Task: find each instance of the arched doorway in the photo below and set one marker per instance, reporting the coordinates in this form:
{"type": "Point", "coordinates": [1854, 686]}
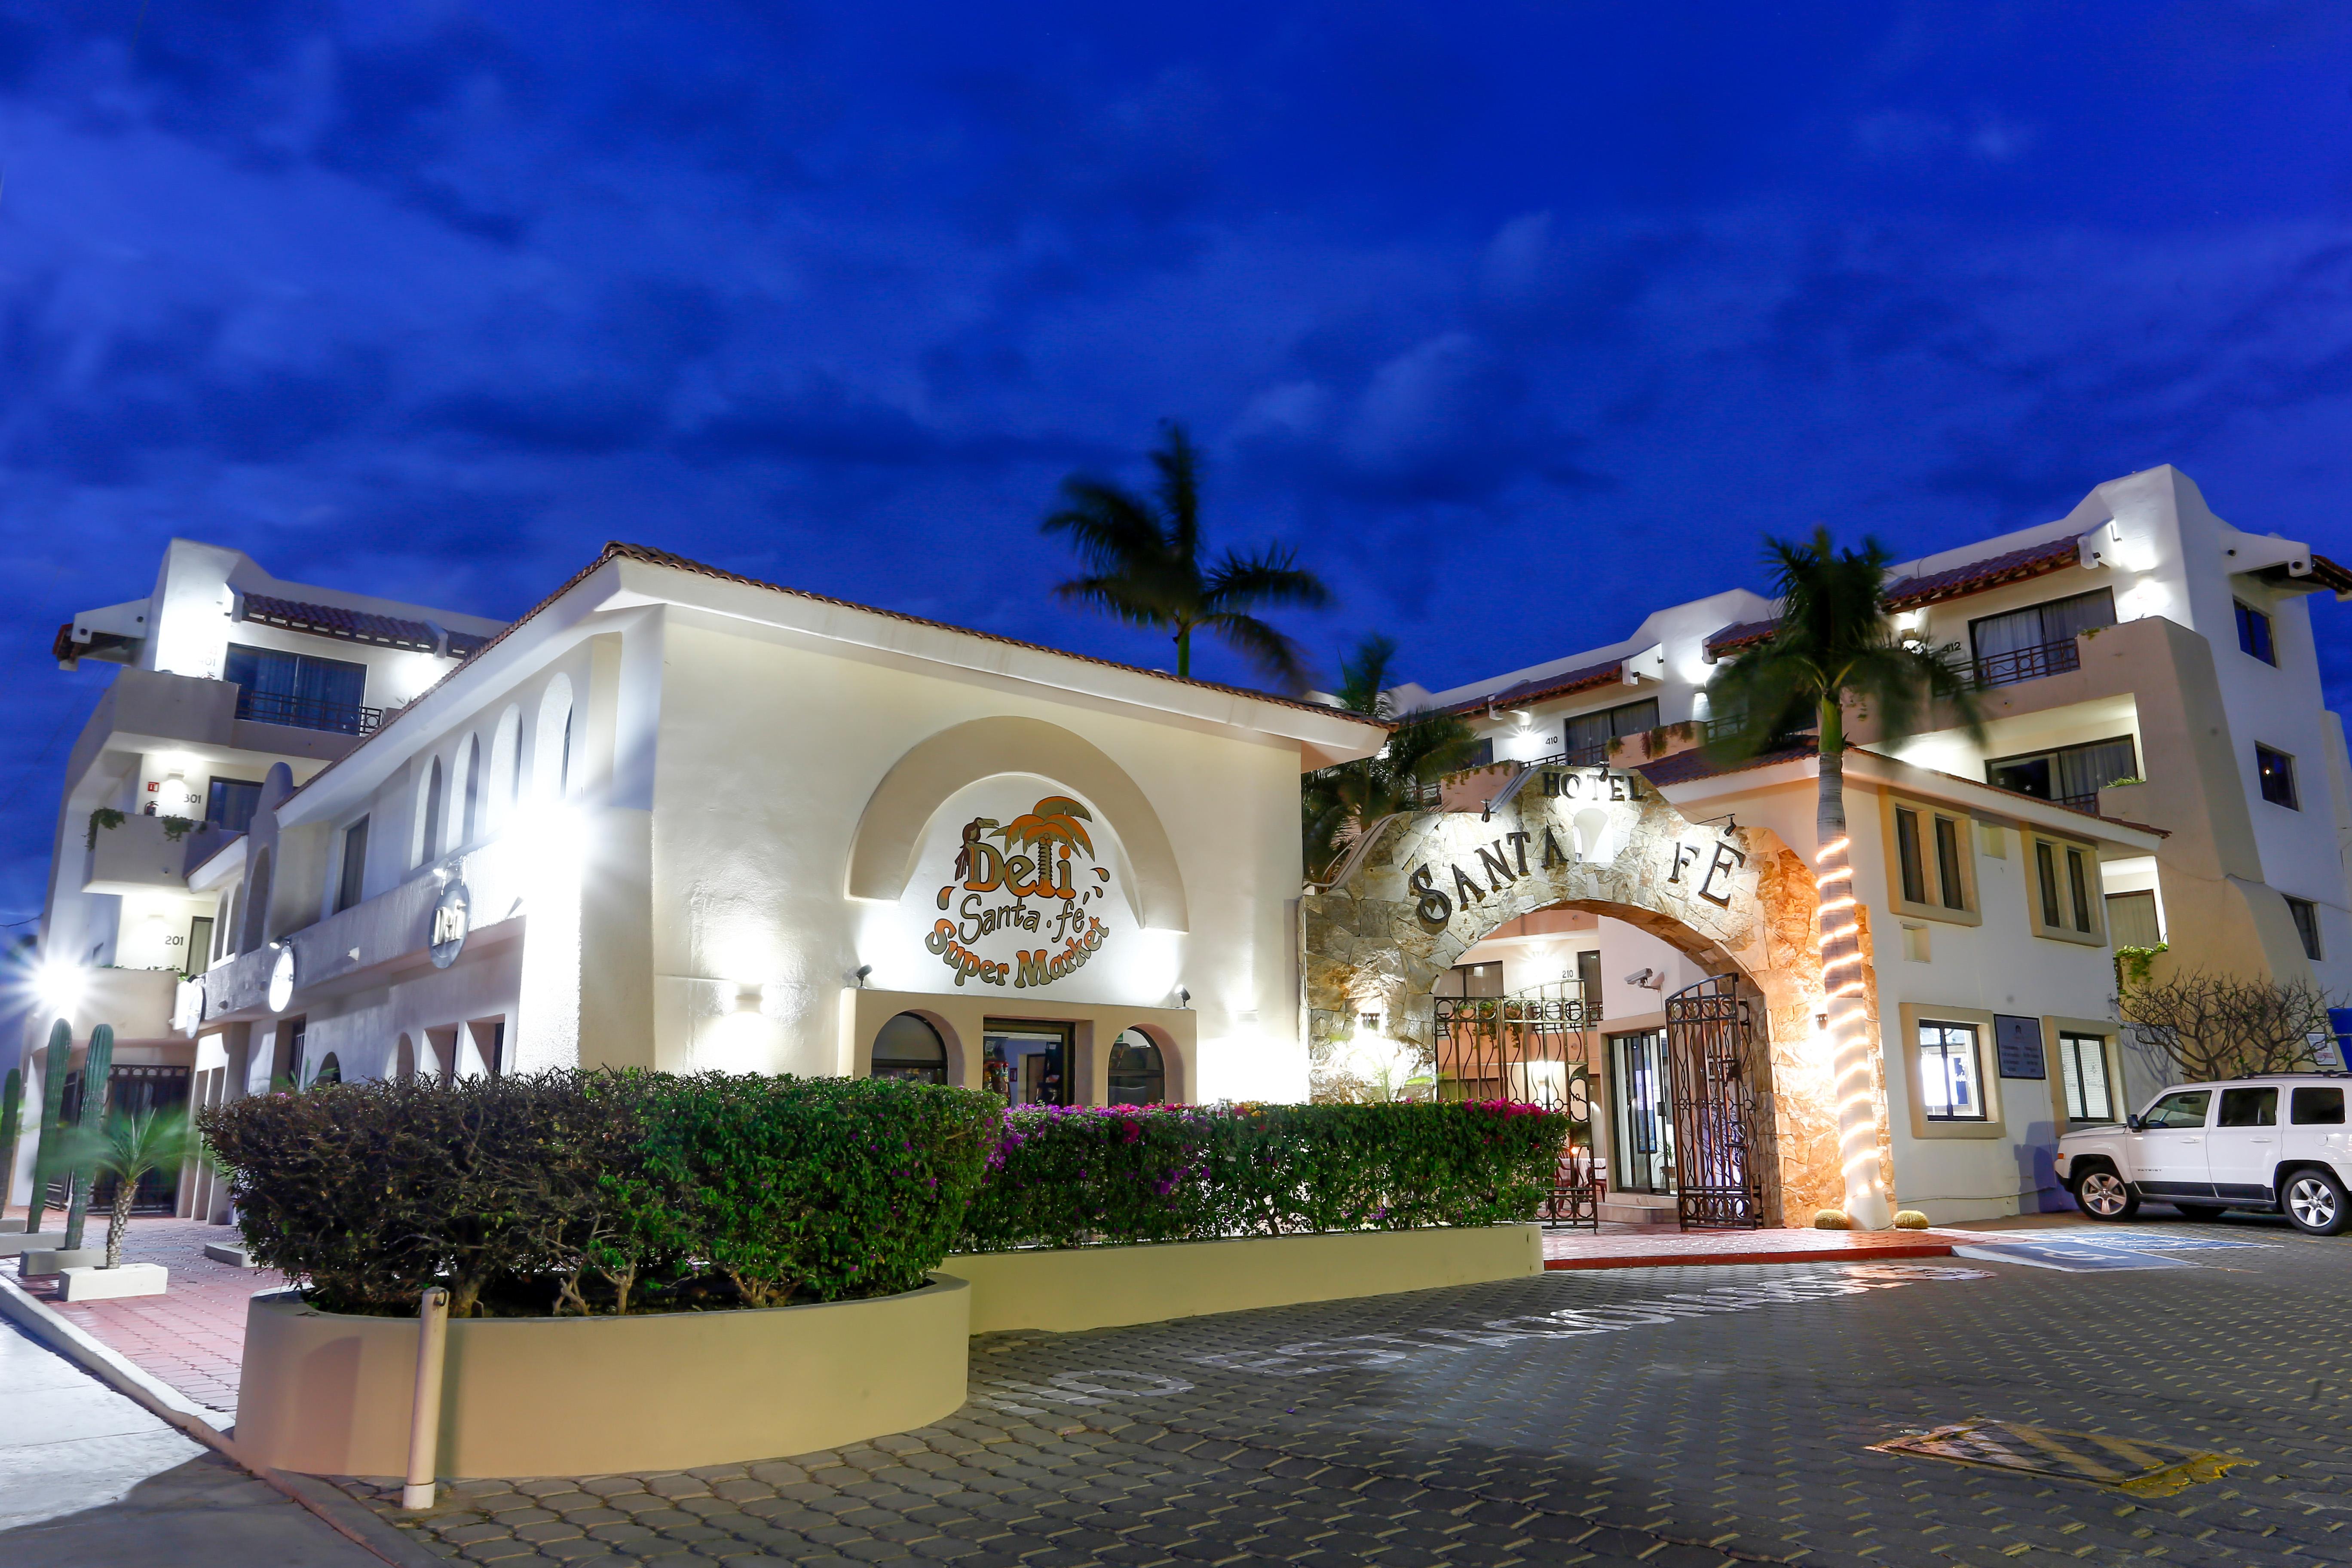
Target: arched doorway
{"type": "Point", "coordinates": [1735, 903]}
{"type": "Point", "coordinates": [329, 1070]}
{"type": "Point", "coordinates": [910, 1049]}
{"type": "Point", "coordinates": [1138, 1070]}
{"type": "Point", "coordinates": [404, 1060]}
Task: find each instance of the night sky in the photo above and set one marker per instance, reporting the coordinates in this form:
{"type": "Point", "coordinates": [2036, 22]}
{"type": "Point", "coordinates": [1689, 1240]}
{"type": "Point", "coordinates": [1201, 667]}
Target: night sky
{"type": "Point", "coordinates": [1516, 320]}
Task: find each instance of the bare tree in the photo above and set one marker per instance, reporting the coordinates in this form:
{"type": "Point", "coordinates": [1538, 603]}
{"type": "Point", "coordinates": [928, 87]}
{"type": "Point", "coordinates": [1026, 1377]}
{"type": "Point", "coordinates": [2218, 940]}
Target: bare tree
{"type": "Point", "coordinates": [2201, 1026]}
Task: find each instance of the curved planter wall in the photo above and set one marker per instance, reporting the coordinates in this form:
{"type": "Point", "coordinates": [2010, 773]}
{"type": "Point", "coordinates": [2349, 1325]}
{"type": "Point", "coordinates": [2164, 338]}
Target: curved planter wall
{"type": "Point", "coordinates": [325, 1394]}
{"type": "Point", "coordinates": [1070, 1289]}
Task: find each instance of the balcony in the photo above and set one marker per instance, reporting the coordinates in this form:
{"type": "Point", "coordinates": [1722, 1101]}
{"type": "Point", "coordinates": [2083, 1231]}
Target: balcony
{"type": "Point", "coordinates": [136, 856]}
{"type": "Point", "coordinates": [306, 713]}
{"type": "Point", "coordinates": [2026, 664]}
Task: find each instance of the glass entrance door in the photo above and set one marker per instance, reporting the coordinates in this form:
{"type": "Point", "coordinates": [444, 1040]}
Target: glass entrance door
{"type": "Point", "coordinates": [1027, 1062]}
{"type": "Point", "coordinates": [1644, 1122]}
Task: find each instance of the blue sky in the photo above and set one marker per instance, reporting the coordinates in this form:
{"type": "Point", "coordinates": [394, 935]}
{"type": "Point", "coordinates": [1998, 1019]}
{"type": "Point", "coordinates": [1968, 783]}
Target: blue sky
{"type": "Point", "coordinates": [1514, 319]}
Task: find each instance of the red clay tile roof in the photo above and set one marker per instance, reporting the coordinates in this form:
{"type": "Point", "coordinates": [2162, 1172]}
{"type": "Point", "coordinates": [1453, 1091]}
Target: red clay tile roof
{"type": "Point", "coordinates": [1975, 577]}
{"type": "Point", "coordinates": [1738, 636]}
{"type": "Point", "coordinates": [1684, 767]}
{"type": "Point", "coordinates": [465, 645]}
{"type": "Point", "coordinates": [1543, 689]}
{"type": "Point", "coordinates": [2324, 573]}
{"type": "Point", "coordinates": [333, 621]}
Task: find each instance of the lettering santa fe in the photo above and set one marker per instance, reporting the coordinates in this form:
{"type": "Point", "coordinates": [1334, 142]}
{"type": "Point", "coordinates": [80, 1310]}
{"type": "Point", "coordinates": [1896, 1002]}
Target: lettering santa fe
{"type": "Point", "coordinates": [1050, 832]}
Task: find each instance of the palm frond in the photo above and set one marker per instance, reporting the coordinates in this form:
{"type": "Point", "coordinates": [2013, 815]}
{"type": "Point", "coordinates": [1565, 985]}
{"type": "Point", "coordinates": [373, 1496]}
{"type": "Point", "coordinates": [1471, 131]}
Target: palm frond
{"type": "Point", "coordinates": [1132, 601]}
{"type": "Point", "coordinates": [1179, 463]}
{"type": "Point", "coordinates": [1277, 655]}
{"type": "Point", "coordinates": [1364, 676]}
{"type": "Point", "coordinates": [1273, 576]}
{"type": "Point", "coordinates": [1111, 528]}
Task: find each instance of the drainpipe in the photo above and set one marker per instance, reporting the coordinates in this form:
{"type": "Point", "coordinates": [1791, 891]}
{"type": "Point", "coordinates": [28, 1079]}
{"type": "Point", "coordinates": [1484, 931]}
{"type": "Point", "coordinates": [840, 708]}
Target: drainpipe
{"type": "Point", "coordinates": [424, 1423]}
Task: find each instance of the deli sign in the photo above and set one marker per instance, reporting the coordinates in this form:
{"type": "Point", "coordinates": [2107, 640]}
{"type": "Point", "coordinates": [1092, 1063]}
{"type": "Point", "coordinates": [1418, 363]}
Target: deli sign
{"type": "Point", "coordinates": [1026, 910]}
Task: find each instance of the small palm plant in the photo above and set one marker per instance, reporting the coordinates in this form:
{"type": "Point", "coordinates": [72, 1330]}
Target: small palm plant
{"type": "Point", "coordinates": [127, 1147]}
{"type": "Point", "coordinates": [1147, 563]}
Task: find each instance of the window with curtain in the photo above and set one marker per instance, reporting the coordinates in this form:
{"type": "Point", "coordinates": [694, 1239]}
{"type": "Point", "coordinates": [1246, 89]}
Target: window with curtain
{"type": "Point", "coordinates": [1950, 1080]}
{"type": "Point", "coordinates": [2083, 1068]}
{"type": "Point", "coordinates": [2071, 775]}
{"type": "Point", "coordinates": [2040, 625]}
{"type": "Point", "coordinates": [1587, 736]}
{"type": "Point", "coordinates": [2131, 919]}
{"type": "Point", "coordinates": [297, 688]}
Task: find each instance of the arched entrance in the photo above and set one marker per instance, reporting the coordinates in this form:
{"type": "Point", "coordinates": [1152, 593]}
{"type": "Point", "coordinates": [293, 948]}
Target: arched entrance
{"type": "Point", "coordinates": [1425, 889]}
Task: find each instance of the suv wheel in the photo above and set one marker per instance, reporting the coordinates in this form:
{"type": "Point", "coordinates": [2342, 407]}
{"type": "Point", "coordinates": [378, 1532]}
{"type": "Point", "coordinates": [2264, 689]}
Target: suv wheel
{"type": "Point", "coordinates": [2315, 1201]}
{"type": "Point", "coordinates": [2103, 1195]}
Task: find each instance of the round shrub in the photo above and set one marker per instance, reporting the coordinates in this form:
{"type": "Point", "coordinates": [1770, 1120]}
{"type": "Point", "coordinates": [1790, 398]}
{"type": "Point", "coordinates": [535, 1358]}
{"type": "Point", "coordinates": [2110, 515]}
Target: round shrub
{"type": "Point", "coordinates": [1832, 1219]}
{"type": "Point", "coordinates": [1910, 1219]}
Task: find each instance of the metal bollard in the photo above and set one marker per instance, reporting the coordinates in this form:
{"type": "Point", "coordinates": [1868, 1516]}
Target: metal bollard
{"type": "Point", "coordinates": [424, 1422]}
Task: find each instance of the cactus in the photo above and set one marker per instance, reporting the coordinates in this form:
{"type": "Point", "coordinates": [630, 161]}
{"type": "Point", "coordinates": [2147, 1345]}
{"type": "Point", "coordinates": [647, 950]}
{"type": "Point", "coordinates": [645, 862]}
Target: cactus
{"type": "Point", "coordinates": [97, 1075]}
{"type": "Point", "coordinates": [12, 1113]}
{"type": "Point", "coordinates": [53, 1103]}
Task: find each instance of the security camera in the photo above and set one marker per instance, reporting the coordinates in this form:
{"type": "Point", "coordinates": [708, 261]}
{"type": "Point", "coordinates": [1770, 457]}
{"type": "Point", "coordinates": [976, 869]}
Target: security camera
{"type": "Point", "coordinates": [1649, 977]}
{"type": "Point", "coordinates": [862, 970]}
{"type": "Point", "coordinates": [1184, 998]}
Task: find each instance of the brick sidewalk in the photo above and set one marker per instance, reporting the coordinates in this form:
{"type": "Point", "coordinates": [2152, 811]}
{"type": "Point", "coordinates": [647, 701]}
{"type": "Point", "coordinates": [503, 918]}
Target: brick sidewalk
{"type": "Point", "coordinates": [193, 1336]}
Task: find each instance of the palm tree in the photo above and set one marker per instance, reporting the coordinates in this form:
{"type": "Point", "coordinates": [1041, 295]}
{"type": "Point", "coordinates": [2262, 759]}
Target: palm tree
{"type": "Point", "coordinates": [126, 1148]}
{"type": "Point", "coordinates": [1145, 564]}
{"type": "Point", "coordinates": [1340, 803]}
{"type": "Point", "coordinates": [1836, 646]}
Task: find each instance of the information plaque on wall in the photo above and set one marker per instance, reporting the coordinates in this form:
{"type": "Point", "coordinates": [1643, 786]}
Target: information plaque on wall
{"type": "Point", "coordinates": [2017, 1042]}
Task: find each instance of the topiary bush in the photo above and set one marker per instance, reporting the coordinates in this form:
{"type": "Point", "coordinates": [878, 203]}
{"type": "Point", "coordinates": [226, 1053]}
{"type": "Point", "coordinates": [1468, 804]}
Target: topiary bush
{"type": "Point", "coordinates": [1068, 1177]}
{"type": "Point", "coordinates": [572, 1192]}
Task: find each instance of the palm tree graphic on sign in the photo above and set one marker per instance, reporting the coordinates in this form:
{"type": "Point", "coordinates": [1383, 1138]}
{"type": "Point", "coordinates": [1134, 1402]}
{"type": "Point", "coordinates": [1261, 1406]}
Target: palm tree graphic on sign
{"type": "Point", "coordinates": [1057, 819]}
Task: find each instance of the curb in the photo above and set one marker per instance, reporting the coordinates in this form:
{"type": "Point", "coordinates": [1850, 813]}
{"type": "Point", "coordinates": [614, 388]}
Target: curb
{"type": "Point", "coordinates": [1786, 1254]}
{"type": "Point", "coordinates": [344, 1513]}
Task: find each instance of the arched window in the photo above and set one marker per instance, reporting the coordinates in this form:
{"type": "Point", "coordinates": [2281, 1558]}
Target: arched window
{"type": "Point", "coordinates": [256, 905]}
{"type": "Point", "coordinates": [404, 1060]}
{"type": "Point", "coordinates": [505, 744]}
{"type": "Point", "coordinates": [1138, 1073]}
{"type": "Point", "coordinates": [329, 1070]}
{"type": "Point", "coordinates": [429, 842]}
{"type": "Point", "coordinates": [911, 1050]}
{"type": "Point", "coordinates": [551, 750]}
{"type": "Point", "coordinates": [469, 789]}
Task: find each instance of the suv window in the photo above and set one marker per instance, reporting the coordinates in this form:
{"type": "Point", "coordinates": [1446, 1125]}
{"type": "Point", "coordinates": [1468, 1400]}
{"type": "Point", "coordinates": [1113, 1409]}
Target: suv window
{"type": "Point", "coordinates": [2186, 1109]}
{"type": "Point", "coordinates": [2319, 1108]}
{"type": "Point", "coordinates": [2249, 1107]}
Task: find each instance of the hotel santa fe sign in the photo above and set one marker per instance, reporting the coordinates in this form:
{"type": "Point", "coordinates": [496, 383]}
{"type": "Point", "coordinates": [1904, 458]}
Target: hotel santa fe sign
{"type": "Point", "coordinates": [1026, 911]}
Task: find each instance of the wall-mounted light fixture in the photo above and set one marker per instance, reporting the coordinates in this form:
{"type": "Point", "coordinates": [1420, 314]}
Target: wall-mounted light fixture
{"type": "Point", "coordinates": [749, 998]}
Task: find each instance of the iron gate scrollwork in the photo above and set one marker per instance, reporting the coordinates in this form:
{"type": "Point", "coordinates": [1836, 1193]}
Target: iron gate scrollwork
{"type": "Point", "coordinates": [1533, 1047]}
{"type": "Point", "coordinates": [1708, 1037]}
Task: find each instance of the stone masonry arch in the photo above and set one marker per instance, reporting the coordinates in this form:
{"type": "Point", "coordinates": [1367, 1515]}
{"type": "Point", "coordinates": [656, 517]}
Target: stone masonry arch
{"type": "Point", "coordinates": [1736, 899]}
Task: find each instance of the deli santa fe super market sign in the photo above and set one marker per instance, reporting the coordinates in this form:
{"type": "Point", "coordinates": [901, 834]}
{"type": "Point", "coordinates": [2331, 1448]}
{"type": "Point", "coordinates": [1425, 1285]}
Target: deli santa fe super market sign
{"type": "Point", "coordinates": [1027, 909]}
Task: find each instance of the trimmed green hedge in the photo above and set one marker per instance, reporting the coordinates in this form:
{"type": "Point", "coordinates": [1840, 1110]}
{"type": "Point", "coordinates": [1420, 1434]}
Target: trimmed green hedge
{"type": "Point", "coordinates": [581, 1192]}
{"type": "Point", "coordinates": [1075, 1176]}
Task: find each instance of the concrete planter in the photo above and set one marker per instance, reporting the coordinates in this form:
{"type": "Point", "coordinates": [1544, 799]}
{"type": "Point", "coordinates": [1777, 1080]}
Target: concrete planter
{"type": "Point", "coordinates": [88, 1282]}
{"type": "Point", "coordinates": [13, 1242]}
{"type": "Point", "coordinates": [38, 1263]}
{"type": "Point", "coordinates": [1080, 1287]}
{"type": "Point", "coordinates": [326, 1394]}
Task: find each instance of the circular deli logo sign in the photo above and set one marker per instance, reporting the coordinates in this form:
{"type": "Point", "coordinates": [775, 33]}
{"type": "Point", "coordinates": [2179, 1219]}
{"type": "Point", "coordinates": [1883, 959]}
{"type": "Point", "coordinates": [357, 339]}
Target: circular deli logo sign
{"type": "Point", "coordinates": [281, 979]}
{"type": "Point", "coordinates": [1026, 910]}
{"type": "Point", "coordinates": [452, 919]}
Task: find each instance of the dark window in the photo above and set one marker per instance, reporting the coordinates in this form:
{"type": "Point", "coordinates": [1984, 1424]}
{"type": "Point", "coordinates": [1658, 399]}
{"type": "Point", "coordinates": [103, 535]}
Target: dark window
{"type": "Point", "coordinates": [1948, 863]}
{"type": "Point", "coordinates": [908, 1049]}
{"type": "Point", "coordinates": [329, 1070]}
{"type": "Point", "coordinates": [2306, 925]}
{"type": "Point", "coordinates": [1471, 980]}
{"type": "Point", "coordinates": [1950, 1080]}
{"type": "Point", "coordinates": [2045, 869]}
{"type": "Point", "coordinates": [2254, 634]}
{"type": "Point", "coordinates": [2277, 771]}
{"type": "Point", "coordinates": [2078, 889]}
{"type": "Point", "coordinates": [2247, 1108]}
{"type": "Point", "coordinates": [298, 690]}
{"type": "Point", "coordinates": [2131, 919]}
{"type": "Point", "coordinates": [200, 946]}
{"type": "Point", "coordinates": [1906, 851]}
{"type": "Point", "coordinates": [1588, 980]}
{"type": "Point", "coordinates": [230, 804]}
{"type": "Point", "coordinates": [2185, 1107]}
{"type": "Point", "coordinates": [354, 885]}
{"type": "Point", "coordinates": [472, 762]}
{"type": "Point", "coordinates": [1585, 738]}
{"type": "Point", "coordinates": [2318, 1107]}
{"type": "Point", "coordinates": [1138, 1075]}
{"type": "Point", "coordinates": [2022, 645]}
{"type": "Point", "coordinates": [2071, 775]}
{"type": "Point", "coordinates": [1480, 755]}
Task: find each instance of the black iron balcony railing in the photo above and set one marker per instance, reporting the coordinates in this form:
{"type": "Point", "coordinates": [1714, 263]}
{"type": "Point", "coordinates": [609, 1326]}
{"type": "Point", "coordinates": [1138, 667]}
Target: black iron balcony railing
{"type": "Point", "coordinates": [2027, 664]}
{"type": "Point", "coordinates": [307, 713]}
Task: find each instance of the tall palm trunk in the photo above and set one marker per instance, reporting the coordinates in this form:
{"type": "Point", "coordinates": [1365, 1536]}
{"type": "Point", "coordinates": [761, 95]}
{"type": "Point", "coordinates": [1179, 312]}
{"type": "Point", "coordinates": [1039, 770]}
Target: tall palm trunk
{"type": "Point", "coordinates": [119, 1222]}
{"type": "Point", "coordinates": [1842, 979]}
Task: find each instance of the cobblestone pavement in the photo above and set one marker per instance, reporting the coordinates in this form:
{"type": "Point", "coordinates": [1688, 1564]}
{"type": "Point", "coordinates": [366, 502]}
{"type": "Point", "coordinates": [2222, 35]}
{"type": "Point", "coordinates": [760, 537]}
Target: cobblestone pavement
{"type": "Point", "coordinates": [1678, 1418]}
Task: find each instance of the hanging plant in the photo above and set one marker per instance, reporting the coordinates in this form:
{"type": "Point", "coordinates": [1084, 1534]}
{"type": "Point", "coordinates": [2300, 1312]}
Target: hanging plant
{"type": "Point", "coordinates": [104, 816]}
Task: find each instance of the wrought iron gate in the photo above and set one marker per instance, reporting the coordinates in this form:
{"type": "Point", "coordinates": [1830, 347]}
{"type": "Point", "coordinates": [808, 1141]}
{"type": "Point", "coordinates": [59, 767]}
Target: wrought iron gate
{"type": "Point", "coordinates": [1708, 1037]}
{"type": "Point", "coordinates": [1533, 1046]}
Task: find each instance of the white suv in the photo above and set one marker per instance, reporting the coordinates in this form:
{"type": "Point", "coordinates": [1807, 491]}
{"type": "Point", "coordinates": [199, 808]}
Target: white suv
{"type": "Point", "coordinates": [2276, 1142]}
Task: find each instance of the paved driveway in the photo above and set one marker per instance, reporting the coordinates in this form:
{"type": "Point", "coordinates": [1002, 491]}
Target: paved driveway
{"type": "Point", "coordinates": [1667, 1415]}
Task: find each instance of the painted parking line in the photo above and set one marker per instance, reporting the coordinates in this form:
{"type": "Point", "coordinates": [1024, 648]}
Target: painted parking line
{"type": "Point", "coordinates": [2126, 1240]}
{"type": "Point", "coordinates": [2072, 1259]}
{"type": "Point", "coordinates": [2130, 1465]}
